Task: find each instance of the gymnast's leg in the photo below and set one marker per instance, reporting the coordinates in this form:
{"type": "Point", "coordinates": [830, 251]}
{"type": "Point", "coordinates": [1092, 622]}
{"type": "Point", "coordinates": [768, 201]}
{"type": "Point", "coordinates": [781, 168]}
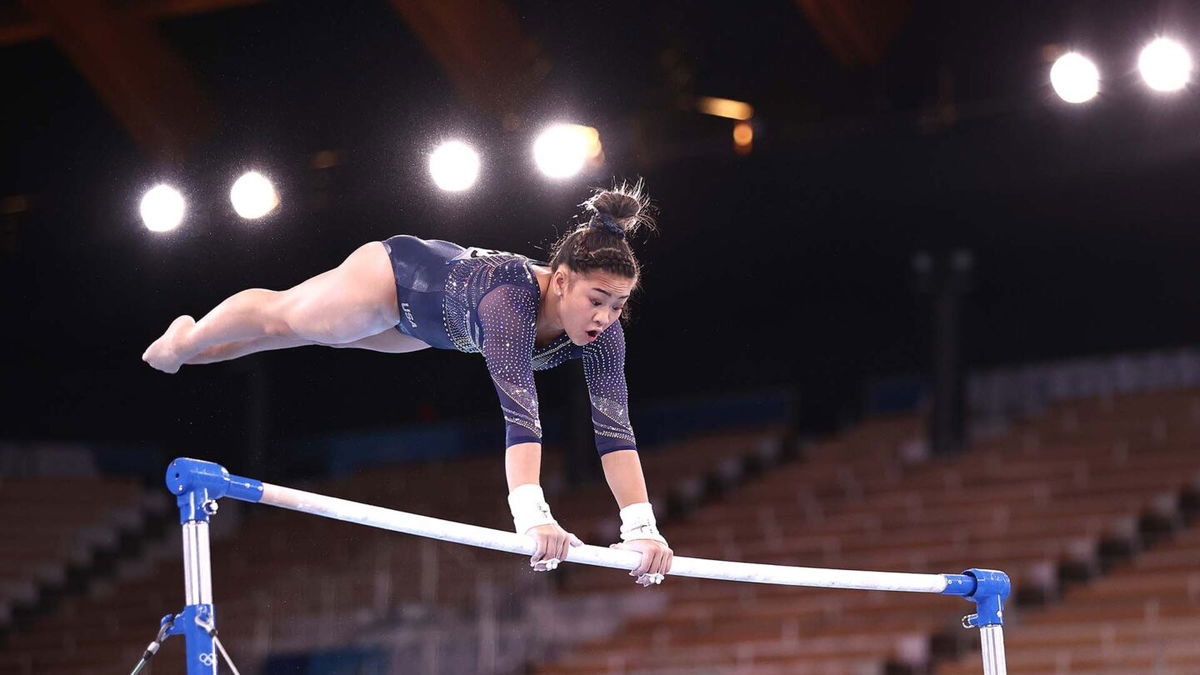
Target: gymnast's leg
{"type": "Point", "coordinates": [390, 341]}
{"type": "Point", "coordinates": [353, 301]}
{"type": "Point", "coordinates": [231, 350]}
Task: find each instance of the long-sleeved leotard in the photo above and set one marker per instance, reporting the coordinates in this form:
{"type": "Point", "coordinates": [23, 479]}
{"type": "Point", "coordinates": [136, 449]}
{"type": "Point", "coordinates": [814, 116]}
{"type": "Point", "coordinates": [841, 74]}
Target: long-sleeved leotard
{"type": "Point", "coordinates": [476, 300]}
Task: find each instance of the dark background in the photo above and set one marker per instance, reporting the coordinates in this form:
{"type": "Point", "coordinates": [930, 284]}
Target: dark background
{"type": "Point", "coordinates": [788, 266]}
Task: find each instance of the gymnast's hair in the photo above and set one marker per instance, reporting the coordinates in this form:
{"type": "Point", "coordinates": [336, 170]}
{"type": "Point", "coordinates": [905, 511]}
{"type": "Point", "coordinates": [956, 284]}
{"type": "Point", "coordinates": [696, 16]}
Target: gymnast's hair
{"type": "Point", "coordinates": [602, 241]}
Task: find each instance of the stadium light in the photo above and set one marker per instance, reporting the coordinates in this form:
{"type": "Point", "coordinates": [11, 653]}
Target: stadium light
{"type": "Point", "coordinates": [724, 107]}
{"type": "Point", "coordinates": [1075, 78]}
{"type": "Point", "coordinates": [253, 196]}
{"type": "Point", "coordinates": [162, 208]}
{"type": "Point", "coordinates": [562, 150]}
{"type": "Point", "coordinates": [743, 138]}
{"type": "Point", "coordinates": [454, 166]}
{"type": "Point", "coordinates": [1165, 65]}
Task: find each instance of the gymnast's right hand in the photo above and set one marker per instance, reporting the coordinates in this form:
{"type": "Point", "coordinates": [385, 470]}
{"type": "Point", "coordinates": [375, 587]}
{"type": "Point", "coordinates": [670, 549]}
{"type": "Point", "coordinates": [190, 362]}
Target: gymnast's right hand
{"type": "Point", "coordinates": [531, 516]}
{"type": "Point", "coordinates": [553, 544]}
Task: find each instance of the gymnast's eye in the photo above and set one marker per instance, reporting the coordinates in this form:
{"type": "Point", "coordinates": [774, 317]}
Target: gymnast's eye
{"type": "Point", "coordinates": [596, 303]}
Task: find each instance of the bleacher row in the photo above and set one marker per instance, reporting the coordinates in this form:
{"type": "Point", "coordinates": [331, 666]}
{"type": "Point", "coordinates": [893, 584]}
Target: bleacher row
{"type": "Point", "coordinates": [1051, 494]}
{"type": "Point", "coordinates": [50, 527]}
{"type": "Point", "coordinates": [1086, 507]}
{"type": "Point", "coordinates": [285, 581]}
{"type": "Point", "coordinates": [1142, 617]}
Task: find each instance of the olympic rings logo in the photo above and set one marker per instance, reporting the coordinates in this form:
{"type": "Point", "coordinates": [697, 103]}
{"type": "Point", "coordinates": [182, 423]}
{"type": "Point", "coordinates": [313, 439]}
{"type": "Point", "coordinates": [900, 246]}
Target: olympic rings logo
{"type": "Point", "coordinates": [208, 659]}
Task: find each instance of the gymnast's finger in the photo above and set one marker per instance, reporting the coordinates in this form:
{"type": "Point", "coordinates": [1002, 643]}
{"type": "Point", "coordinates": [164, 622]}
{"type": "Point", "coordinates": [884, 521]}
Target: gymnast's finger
{"type": "Point", "coordinates": [644, 565]}
{"type": "Point", "coordinates": [664, 565]}
{"type": "Point", "coordinates": [540, 551]}
{"type": "Point", "coordinates": [657, 565]}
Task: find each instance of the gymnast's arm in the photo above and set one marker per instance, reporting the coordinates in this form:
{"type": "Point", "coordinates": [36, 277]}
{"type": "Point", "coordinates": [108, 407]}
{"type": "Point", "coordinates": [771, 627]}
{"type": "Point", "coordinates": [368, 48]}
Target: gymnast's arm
{"type": "Point", "coordinates": [623, 471]}
{"type": "Point", "coordinates": [507, 318]}
{"type": "Point", "coordinates": [523, 464]}
{"type": "Point", "coordinates": [604, 370]}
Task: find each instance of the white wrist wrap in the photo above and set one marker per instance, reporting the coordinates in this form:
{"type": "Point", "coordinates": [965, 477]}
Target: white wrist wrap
{"type": "Point", "coordinates": [529, 507]}
{"type": "Point", "coordinates": [637, 522]}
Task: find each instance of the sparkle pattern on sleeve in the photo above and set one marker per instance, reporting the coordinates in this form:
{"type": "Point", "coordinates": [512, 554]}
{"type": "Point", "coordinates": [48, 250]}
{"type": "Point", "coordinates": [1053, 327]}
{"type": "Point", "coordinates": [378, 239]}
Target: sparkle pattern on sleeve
{"type": "Point", "coordinates": [508, 321]}
{"type": "Point", "coordinates": [604, 370]}
{"type": "Point", "coordinates": [490, 306]}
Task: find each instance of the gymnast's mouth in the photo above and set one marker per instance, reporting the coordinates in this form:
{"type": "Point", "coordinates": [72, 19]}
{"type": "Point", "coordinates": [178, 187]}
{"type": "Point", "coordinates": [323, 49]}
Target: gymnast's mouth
{"type": "Point", "coordinates": [593, 334]}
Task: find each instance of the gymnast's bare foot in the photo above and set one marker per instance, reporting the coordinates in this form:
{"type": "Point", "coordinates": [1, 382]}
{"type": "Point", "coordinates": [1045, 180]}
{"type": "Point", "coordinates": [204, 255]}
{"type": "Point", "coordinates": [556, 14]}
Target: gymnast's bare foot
{"type": "Point", "coordinates": [164, 354]}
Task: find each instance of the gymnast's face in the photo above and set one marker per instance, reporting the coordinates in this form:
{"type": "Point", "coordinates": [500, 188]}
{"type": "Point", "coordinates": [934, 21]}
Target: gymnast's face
{"type": "Point", "coordinates": [590, 302]}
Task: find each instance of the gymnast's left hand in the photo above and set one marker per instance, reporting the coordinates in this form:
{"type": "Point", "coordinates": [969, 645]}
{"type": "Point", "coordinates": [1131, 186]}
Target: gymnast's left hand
{"type": "Point", "coordinates": [656, 560]}
{"type": "Point", "coordinates": [553, 545]}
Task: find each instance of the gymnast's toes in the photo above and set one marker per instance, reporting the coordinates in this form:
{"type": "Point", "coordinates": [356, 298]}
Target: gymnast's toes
{"type": "Point", "coordinates": [162, 353]}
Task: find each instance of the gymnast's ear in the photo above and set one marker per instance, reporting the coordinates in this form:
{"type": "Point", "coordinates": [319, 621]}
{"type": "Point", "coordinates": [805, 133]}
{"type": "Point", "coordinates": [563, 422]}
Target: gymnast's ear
{"type": "Point", "coordinates": [559, 282]}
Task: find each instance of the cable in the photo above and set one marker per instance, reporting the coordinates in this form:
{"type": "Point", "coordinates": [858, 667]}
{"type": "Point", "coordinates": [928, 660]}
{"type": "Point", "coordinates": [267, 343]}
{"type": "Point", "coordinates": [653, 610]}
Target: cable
{"type": "Point", "coordinates": [152, 648]}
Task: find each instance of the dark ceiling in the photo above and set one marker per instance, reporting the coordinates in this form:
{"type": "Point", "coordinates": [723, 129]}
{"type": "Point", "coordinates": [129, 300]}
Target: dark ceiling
{"type": "Point", "coordinates": [881, 129]}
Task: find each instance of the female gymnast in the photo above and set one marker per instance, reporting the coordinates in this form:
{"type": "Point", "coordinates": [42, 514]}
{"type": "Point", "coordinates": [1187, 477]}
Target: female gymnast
{"type": "Point", "coordinates": [406, 294]}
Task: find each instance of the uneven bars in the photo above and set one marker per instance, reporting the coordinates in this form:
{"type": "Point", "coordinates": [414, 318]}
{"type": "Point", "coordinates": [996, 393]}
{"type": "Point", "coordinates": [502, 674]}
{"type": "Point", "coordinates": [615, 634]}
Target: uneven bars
{"type": "Point", "coordinates": [197, 485]}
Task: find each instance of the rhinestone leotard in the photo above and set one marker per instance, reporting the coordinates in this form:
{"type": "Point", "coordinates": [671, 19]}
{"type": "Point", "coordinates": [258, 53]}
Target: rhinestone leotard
{"type": "Point", "coordinates": [477, 300]}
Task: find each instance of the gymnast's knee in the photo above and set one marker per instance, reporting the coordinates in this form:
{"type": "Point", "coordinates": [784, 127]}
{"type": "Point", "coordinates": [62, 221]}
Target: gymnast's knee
{"type": "Point", "coordinates": [326, 326]}
{"type": "Point", "coordinates": [283, 315]}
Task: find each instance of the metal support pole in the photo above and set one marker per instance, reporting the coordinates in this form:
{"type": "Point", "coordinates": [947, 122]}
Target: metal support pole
{"type": "Point", "coordinates": [992, 642]}
{"type": "Point", "coordinates": [197, 568]}
{"type": "Point", "coordinates": [197, 490]}
{"type": "Point", "coordinates": [991, 589]}
{"type": "Point", "coordinates": [199, 611]}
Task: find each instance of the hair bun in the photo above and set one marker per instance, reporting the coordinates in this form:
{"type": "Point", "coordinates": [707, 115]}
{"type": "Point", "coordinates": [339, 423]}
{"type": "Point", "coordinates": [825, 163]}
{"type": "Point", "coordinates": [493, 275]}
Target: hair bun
{"type": "Point", "coordinates": [621, 210]}
{"type": "Point", "coordinates": [601, 243]}
{"type": "Point", "coordinates": [603, 221]}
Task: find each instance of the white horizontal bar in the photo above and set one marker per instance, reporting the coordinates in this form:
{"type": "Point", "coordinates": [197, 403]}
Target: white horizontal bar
{"type": "Point", "coordinates": [435, 528]}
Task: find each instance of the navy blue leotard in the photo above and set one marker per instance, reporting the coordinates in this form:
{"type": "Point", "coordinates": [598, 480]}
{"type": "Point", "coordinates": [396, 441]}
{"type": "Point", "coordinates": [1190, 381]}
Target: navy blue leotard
{"type": "Point", "coordinates": [478, 300]}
